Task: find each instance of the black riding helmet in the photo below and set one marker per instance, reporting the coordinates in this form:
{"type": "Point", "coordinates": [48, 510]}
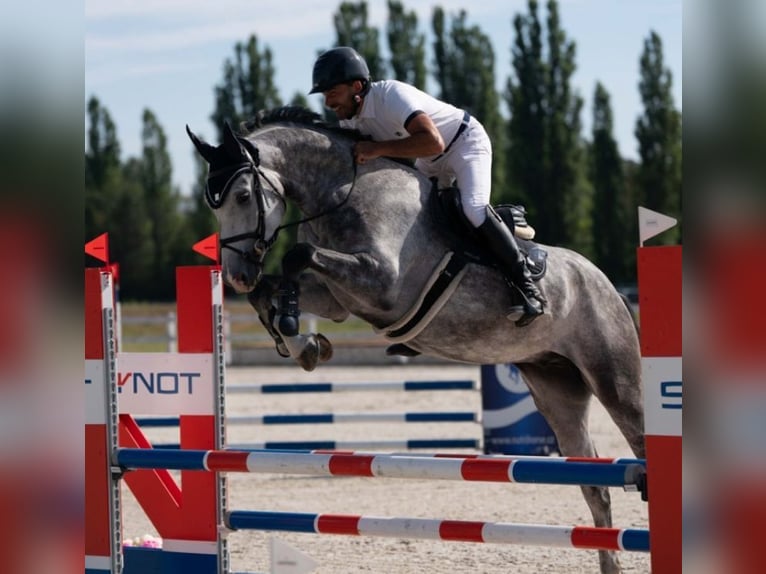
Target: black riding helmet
{"type": "Point", "coordinates": [337, 66]}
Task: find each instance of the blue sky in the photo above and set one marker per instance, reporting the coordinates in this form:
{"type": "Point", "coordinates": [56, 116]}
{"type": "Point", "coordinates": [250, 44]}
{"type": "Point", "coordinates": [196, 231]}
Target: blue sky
{"type": "Point", "coordinates": [167, 55]}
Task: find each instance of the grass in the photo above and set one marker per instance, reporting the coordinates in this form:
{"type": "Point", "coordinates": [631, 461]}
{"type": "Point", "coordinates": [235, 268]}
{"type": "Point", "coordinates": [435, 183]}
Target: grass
{"type": "Point", "coordinates": [144, 326]}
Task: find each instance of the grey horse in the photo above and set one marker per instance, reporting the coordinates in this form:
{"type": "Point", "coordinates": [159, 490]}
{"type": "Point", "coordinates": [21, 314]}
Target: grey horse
{"type": "Point", "coordinates": [369, 245]}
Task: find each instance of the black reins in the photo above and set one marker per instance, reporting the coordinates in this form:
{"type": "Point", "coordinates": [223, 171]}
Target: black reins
{"type": "Point", "coordinates": [261, 244]}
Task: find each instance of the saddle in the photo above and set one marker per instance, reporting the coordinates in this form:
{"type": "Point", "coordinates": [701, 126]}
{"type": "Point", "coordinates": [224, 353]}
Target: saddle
{"type": "Point", "coordinates": [465, 245]}
{"type": "Point", "coordinates": [447, 210]}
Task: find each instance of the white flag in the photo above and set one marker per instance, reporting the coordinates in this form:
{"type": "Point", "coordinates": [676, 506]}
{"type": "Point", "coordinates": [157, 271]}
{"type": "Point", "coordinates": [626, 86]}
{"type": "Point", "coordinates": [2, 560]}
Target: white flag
{"type": "Point", "coordinates": [651, 223]}
{"type": "Point", "coordinates": [288, 560]}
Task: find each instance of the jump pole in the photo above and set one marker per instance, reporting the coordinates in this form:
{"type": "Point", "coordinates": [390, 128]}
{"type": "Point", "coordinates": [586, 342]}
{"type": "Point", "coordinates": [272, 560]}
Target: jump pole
{"type": "Point", "coordinates": [623, 475]}
{"type": "Point", "coordinates": [355, 387]}
{"type": "Point", "coordinates": [660, 280]}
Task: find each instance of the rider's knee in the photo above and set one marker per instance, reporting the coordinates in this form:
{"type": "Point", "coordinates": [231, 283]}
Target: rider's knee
{"type": "Point", "coordinates": [475, 214]}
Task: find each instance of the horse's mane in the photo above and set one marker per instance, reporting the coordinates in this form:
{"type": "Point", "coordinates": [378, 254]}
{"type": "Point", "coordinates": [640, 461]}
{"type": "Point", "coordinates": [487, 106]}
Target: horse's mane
{"type": "Point", "coordinates": [296, 115]}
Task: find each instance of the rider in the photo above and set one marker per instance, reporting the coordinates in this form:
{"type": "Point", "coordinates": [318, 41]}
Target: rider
{"type": "Point", "coordinates": [405, 122]}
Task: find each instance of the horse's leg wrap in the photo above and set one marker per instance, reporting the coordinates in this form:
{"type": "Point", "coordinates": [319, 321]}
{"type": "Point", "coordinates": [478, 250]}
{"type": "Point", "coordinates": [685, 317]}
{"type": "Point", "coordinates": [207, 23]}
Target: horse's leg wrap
{"type": "Point", "coordinates": [293, 263]}
{"type": "Point", "coordinates": [289, 310]}
{"type": "Point", "coordinates": [260, 299]}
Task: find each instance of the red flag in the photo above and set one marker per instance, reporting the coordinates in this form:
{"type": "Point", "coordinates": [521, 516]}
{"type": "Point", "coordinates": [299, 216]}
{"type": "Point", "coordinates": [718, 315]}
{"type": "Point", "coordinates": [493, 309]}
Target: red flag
{"type": "Point", "coordinates": [208, 247]}
{"type": "Point", "coordinates": [99, 248]}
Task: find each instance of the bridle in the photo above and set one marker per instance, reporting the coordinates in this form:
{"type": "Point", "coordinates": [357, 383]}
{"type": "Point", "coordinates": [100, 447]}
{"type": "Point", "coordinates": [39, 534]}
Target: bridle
{"type": "Point", "coordinates": [252, 165]}
{"type": "Point", "coordinates": [215, 201]}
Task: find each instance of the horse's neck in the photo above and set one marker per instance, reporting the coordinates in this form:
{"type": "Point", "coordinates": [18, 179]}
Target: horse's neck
{"type": "Point", "coordinates": [314, 167]}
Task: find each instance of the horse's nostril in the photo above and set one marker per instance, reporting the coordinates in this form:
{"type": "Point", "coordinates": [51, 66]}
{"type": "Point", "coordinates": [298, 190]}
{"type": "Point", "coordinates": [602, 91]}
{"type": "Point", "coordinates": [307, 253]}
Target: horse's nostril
{"type": "Point", "coordinates": [242, 278]}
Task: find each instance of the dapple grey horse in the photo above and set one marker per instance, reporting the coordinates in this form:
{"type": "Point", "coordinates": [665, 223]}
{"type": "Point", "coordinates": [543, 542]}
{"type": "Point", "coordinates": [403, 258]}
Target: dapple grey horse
{"type": "Point", "coordinates": [370, 246]}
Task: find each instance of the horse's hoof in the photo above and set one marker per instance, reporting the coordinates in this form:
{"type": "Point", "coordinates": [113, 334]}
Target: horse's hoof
{"type": "Point", "coordinates": [325, 348]}
{"type": "Point", "coordinates": [309, 357]}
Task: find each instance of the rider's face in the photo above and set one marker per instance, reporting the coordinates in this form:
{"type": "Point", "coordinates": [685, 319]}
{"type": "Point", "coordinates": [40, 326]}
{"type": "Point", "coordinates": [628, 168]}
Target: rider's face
{"type": "Point", "coordinates": [340, 99]}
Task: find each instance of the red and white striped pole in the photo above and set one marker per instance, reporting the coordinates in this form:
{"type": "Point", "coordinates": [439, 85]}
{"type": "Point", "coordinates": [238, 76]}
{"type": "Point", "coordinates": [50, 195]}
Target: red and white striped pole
{"type": "Point", "coordinates": [660, 303]}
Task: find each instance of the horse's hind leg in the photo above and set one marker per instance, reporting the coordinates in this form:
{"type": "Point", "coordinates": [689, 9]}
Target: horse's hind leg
{"type": "Point", "coordinates": [563, 398]}
{"type": "Point", "coordinates": [617, 385]}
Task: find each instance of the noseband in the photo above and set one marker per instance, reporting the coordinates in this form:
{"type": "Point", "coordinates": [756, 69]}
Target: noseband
{"type": "Point", "coordinates": [215, 201]}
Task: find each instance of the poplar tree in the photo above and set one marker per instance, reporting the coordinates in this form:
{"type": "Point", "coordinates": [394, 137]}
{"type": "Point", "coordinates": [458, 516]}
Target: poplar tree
{"type": "Point", "coordinates": [115, 203]}
{"type": "Point", "coordinates": [545, 153]}
{"type": "Point", "coordinates": [130, 236]}
{"type": "Point", "coordinates": [407, 45]}
{"type": "Point", "coordinates": [247, 86]}
{"type": "Point", "coordinates": [658, 131]}
{"type": "Point", "coordinates": [162, 202]}
{"type": "Point", "coordinates": [465, 70]}
{"type": "Point", "coordinates": [102, 168]}
{"type": "Point", "coordinates": [610, 205]}
{"type": "Point", "coordinates": [352, 29]}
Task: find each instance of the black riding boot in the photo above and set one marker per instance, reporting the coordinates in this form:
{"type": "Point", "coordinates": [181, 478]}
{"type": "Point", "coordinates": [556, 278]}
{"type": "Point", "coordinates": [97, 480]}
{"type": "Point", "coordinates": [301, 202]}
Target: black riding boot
{"type": "Point", "coordinates": [504, 247]}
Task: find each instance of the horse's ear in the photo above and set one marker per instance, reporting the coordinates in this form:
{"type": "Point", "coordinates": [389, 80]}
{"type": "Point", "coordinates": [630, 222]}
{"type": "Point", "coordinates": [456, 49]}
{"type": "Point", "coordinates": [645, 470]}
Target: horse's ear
{"type": "Point", "coordinates": [204, 149]}
{"type": "Point", "coordinates": [231, 144]}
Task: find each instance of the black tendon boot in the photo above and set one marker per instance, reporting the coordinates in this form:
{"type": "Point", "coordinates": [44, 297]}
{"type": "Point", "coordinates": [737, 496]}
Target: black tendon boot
{"type": "Point", "coordinates": [504, 247]}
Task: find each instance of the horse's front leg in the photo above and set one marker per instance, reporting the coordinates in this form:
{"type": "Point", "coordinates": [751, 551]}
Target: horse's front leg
{"type": "Point", "coordinates": [297, 291]}
{"type": "Point", "coordinates": [260, 299]}
{"type": "Point", "coordinates": [371, 277]}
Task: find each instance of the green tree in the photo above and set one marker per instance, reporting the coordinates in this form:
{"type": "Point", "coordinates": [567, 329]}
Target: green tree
{"type": "Point", "coordinates": [114, 202]}
{"type": "Point", "coordinates": [352, 29]}
{"type": "Point", "coordinates": [299, 99]}
{"type": "Point", "coordinates": [465, 63]}
{"type": "Point", "coordinates": [130, 232]}
{"type": "Point", "coordinates": [162, 203]}
{"type": "Point", "coordinates": [102, 168]}
{"type": "Point", "coordinates": [545, 154]}
{"type": "Point", "coordinates": [525, 96]}
{"type": "Point", "coordinates": [658, 132]}
{"type": "Point", "coordinates": [610, 216]}
{"type": "Point", "coordinates": [407, 45]}
{"type": "Point", "coordinates": [201, 221]}
{"type": "Point", "coordinates": [247, 86]}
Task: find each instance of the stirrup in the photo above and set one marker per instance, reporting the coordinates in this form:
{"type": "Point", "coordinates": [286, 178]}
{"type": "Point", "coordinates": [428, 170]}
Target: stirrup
{"type": "Point", "coordinates": [527, 310]}
{"type": "Point", "coordinates": [527, 318]}
{"type": "Point", "coordinates": [516, 312]}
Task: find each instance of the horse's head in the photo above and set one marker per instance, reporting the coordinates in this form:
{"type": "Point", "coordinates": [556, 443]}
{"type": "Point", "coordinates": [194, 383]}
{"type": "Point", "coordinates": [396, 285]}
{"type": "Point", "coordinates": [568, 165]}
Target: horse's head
{"type": "Point", "coordinates": [248, 203]}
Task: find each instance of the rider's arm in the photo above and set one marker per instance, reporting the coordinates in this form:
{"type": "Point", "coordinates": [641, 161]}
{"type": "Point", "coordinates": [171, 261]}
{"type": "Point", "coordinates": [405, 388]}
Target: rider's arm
{"type": "Point", "coordinates": [424, 140]}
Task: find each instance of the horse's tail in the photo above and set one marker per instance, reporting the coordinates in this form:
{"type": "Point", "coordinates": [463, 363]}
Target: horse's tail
{"type": "Point", "coordinates": [629, 307]}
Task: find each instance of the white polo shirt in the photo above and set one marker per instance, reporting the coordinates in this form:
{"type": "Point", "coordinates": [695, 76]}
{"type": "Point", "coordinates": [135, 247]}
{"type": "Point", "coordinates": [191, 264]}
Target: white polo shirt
{"type": "Point", "coordinates": [390, 104]}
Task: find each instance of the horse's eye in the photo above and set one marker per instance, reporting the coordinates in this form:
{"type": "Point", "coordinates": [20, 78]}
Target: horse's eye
{"type": "Point", "coordinates": [243, 196]}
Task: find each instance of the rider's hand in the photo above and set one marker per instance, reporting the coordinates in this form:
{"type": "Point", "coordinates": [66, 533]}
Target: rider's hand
{"type": "Point", "coordinates": [365, 151]}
